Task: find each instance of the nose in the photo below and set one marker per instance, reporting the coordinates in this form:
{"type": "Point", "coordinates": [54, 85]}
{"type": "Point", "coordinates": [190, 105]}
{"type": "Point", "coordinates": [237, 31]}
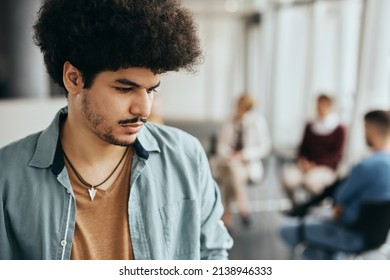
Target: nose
{"type": "Point", "coordinates": [141, 103]}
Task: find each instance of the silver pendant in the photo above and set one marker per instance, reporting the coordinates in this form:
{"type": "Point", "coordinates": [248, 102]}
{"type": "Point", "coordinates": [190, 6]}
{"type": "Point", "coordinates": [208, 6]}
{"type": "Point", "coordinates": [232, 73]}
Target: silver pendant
{"type": "Point", "coordinates": [92, 192]}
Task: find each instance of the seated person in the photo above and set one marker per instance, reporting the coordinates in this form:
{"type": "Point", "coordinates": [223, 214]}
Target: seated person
{"type": "Point", "coordinates": [242, 142]}
{"type": "Point", "coordinates": [368, 181]}
{"type": "Point", "coordinates": [319, 153]}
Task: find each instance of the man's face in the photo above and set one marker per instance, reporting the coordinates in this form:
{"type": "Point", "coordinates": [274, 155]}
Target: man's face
{"type": "Point", "coordinates": [324, 107]}
{"type": "Point", "coordinates": [240, 108]}
{"type": "Point", "coordinates": [118, 103]}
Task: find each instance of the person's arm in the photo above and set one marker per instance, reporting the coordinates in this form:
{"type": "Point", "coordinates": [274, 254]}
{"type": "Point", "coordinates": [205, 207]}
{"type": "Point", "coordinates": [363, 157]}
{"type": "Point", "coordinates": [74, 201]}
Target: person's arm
{"type": "Point", "coordinates": [302, 209]}
{"type": "Point", "coordinates": [215, 239]}
{"type": "Point", "coordinates": [355, 184]}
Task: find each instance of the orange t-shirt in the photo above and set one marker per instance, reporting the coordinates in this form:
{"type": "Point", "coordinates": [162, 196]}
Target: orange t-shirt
{"type": "Point", "coordinates": [102, 225]}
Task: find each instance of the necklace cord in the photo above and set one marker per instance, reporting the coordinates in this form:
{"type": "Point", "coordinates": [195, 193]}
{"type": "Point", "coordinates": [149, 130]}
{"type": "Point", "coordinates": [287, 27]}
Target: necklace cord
{"type": "Point", "coordinates": [85, 182]}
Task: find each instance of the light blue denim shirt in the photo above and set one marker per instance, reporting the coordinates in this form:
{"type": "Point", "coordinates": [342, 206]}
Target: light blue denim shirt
{"type": "Point", "coordinates": [369, 180]}
{"type": "Point", "coordinates": [174, 204]}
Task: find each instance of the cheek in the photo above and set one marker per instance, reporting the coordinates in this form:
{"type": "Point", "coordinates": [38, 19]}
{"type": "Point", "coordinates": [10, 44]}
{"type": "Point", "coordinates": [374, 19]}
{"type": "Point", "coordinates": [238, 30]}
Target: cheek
{"type": "Point", "coordinates": [112, 106]}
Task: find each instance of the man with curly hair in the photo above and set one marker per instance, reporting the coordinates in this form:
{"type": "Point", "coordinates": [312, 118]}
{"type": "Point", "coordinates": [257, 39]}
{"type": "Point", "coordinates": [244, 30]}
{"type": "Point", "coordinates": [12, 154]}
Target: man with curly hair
{"type": "Point", "coordinates": [100, 182]}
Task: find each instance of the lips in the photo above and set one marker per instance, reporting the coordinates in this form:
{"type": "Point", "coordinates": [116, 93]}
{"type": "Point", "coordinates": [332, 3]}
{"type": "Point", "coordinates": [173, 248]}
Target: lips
{"type": "Point", "coordinates": [132, 128]}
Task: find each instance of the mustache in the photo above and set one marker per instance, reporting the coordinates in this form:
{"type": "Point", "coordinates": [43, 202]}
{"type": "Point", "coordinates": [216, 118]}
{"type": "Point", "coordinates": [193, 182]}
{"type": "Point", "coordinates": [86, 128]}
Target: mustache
{"type": "Point", "coordinates": [133, 120]}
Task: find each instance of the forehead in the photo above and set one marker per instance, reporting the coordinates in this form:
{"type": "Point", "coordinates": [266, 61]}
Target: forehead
{"type": "Point", "coordinates": [143, 77]}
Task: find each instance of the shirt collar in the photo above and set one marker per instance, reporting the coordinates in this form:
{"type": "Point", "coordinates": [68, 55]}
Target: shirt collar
{"type": "Point", "coordinates": [149, 142]}
{"type": "Point", "coordinates": [48, 146]}
{"type": "Point", "coordinates": [48, 151]}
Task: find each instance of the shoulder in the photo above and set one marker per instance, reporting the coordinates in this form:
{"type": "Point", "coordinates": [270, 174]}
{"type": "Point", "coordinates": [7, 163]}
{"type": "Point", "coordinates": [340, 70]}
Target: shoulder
{"type": "Point", "coordinates": [256, 118]}
{"type": "Point", "coordinates": [377, 164]}
{"type": "Point", "coordinates": [341, 128]}
{"type": "Point", "coordinates": [16, 156]}
{"type": "Point", "coordinates": [307, 126]}
{"type": "Point", "coordinates": [169, 137]}
{"type": "Point", "coordinates": [165, 132]}
{"type": "Point", "coordinates": [19, 150]}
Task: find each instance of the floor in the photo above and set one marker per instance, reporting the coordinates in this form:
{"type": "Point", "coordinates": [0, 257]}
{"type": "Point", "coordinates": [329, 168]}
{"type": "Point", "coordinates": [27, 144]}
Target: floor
{"type": "Point", "coordinates": [261, 240]}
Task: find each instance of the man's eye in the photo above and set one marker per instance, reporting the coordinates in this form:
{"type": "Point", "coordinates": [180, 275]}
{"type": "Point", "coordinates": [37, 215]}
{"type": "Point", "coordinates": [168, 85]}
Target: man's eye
{"type": "Point", "coordinates": [124, 90]}
{"type": "Point", "coordinates": [153, 90]}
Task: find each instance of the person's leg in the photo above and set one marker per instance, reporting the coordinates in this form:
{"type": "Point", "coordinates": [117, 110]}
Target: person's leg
{"type": "Point", "coordinates": [227, 194]}
{"type": "Point", "coordinates": [315, 253]}
{"type": "Point", "coordinates": [330, 236]}
{"type": "Point", "coordinates": [292, 180]}
{"type": "Point", "coordinates": [321, 237]}
{"type": "Point", "coordinates": [238, 181]}
{"type": "Point", "coordinates": [318, 178]}
{"type": "Point", "coordinates": [291, 233]}
{"type": "Point", "coordinates": [328, 192]}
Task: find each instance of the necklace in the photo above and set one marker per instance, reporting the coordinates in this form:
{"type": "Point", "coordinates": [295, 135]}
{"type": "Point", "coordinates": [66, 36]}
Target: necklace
{"type": "Point", "coordinates": [92, 188]}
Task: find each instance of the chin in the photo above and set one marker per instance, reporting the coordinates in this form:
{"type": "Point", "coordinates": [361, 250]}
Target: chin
{"type": "Point", "coordinates": [120, 141]}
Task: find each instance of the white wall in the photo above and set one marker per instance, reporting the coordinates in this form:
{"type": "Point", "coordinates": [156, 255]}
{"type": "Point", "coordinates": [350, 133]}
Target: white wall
{"type": "Point", "coordinates": [25, 116]}
{"type": "Point", "coordinates": [27, 74]}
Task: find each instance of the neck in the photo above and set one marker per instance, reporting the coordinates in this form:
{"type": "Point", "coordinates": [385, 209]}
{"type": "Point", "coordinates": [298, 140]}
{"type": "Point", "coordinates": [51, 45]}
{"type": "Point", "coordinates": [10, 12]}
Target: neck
{"type": "Point", "coordinates": [383, 146]}
{"type": "Point", "coordinates": [79, 141]}
{"type": "Point", "coordinates": [239, 116]}
{"type": "Point", "coordinates": [322, 116]}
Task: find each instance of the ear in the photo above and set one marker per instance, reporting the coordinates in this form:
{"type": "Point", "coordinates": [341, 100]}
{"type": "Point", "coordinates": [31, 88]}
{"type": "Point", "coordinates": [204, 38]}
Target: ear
{"type": "Point", "coordinates": [72, 78]}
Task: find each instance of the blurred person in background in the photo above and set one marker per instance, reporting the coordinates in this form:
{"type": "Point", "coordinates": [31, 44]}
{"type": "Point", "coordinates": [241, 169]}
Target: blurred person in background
{"type": "Point", "coordinates": [319, 153]}
{"type": "Point", "coordinates": [142, 191]}
{"type": "Point", "coordinates": [242, 142]}
{"type": "Point", "coordinates": [368, 181]}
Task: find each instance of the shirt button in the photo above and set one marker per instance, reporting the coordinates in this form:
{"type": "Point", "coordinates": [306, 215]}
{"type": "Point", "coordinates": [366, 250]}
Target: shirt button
{"type": "Point", "coordinates": [68, 191]}
{"type": "Point", "coordinates": [63, 243]}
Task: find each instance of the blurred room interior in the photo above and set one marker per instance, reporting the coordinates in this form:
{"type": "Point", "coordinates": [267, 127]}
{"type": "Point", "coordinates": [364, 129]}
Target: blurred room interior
{"type": "Point", "coordinates": [283, 52]}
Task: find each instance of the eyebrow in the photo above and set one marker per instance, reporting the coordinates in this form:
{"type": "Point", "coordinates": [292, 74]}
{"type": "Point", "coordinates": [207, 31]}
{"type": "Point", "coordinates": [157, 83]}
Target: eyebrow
{"type": "Point", "coordinates": [133, 84]}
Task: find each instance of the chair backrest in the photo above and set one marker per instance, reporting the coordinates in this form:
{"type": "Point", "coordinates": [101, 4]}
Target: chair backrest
{"type": "Point", "coordinates": [374, 223]}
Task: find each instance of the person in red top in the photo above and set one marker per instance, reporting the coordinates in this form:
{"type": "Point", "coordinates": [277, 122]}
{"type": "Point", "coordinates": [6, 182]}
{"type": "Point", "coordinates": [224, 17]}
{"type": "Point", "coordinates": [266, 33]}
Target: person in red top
{"type": "Point", "coordinates": [319, 153]}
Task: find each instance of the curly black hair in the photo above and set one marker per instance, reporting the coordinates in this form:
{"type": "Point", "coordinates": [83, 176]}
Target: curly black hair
{"type": "Point", "coordinates": [101, 35]}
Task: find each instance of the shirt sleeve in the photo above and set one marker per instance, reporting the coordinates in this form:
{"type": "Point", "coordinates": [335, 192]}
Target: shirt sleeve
{"type": "Point", "coordinates": [353, 186]}
{"type": "Point", "coordinates": [215, 239]}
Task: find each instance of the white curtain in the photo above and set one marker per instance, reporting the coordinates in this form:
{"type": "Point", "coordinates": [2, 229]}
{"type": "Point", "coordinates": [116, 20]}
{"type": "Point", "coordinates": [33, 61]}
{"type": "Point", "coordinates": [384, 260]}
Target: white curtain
{"type": "Point", "coordinates": [374, 76]}
{"type": "Point", "coordinates": [289, 77]}
{"type": "Point", "coordinates": [317, 50]}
